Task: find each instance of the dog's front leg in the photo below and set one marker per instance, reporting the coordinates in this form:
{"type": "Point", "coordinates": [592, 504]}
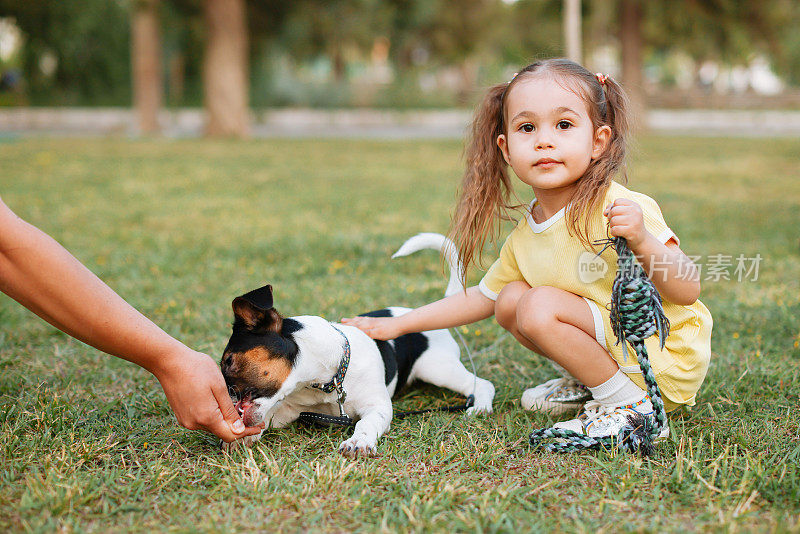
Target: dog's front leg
{"type": "Point", "coordinates": [374, 422]}
{"type": "Point", "coordinates": [284, 415]}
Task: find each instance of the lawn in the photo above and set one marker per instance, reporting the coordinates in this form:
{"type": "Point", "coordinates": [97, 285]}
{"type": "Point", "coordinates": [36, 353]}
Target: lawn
{"type": "Point", "coordinates": [179, 228]}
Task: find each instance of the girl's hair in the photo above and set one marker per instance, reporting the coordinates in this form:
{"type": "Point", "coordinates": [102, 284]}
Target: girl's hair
{"type": "Point", "coordinates": [486, 188]}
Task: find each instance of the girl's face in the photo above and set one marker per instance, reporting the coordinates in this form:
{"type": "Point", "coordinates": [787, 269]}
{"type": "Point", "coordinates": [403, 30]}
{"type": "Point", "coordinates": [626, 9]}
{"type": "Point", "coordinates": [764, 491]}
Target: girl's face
{"type": "Point", "coordinates": [550, 139]}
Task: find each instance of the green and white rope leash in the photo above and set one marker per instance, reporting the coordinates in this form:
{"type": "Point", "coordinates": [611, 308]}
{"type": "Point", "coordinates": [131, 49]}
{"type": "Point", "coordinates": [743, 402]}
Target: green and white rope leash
{"type": "Point", "coordinates": [636, 314]}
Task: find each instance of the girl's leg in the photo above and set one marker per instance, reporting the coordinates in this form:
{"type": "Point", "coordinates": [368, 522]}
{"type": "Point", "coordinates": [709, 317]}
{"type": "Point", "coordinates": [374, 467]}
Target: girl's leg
{"type": "Point", "coordinates": [559, 325]}
{"type": "Point", "coordinates": [556, 396]}
{"type": "Point", "coordinates": [505, 312]}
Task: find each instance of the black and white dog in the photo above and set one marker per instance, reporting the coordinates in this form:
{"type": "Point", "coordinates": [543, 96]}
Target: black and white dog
{"type": "Point", "coordinates": [279, 367]}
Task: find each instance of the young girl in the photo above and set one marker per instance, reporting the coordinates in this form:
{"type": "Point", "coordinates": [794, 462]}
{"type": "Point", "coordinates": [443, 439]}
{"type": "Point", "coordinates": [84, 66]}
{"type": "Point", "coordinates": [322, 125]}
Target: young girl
{"type": "Point", "coordinates": [562, 130]}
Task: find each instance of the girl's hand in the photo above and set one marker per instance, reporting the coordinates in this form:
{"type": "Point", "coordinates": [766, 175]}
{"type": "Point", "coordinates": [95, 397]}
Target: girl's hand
{"type": "Point", "coordinates": [625, 220]}
{"type": "Point", "coordinates": [376, 327]}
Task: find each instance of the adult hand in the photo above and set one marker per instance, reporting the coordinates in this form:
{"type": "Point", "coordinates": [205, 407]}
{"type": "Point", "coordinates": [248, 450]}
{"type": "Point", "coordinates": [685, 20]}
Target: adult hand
{"type": "Point", "coordinates": [42, 276]}
{"type": "Point", "coordinates": [376, 327]}
{"type": "Point", "coordinates": [196, 391]}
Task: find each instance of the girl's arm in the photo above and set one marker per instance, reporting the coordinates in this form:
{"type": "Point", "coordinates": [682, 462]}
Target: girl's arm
{"type": "Point", "coordinates": [41, 275]}
{"type": "Point", "coordinates": [675, 276]}
{"type": "Point", "coordinates": [458, 309]}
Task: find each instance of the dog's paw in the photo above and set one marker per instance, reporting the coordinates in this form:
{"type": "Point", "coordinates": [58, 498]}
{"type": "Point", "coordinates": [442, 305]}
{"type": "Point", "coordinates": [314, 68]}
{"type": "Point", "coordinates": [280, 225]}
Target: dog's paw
{"type": "Point", "coordinates": [483, 399]}
{"type": "Point", "coordinates": [246, 441]}
{"type": "Point", "coordinates": [358, 446]}
{"type": "Point", "coordinates": [476, 410]}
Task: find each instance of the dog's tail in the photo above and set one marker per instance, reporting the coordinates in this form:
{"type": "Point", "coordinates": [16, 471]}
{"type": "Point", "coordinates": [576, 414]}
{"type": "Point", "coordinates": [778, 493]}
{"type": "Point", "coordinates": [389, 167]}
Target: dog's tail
{"type": "Point", "coordinates": [443, 245]}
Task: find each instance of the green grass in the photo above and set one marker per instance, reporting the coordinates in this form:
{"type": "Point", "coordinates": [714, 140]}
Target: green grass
{"type": "Point", "coordinates": [88, 443]}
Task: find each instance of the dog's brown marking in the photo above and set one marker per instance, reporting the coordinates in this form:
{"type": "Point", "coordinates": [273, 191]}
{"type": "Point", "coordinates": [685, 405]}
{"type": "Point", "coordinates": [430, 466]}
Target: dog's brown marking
{"type": "Point", "coordinates": [266, 365]}
{"type": "Point", "coordinates": [256, 369]}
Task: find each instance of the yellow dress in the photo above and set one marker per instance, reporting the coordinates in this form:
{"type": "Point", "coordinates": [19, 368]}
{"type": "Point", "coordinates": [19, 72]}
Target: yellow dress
{"type": "Point", "coordinates": [544, 254]}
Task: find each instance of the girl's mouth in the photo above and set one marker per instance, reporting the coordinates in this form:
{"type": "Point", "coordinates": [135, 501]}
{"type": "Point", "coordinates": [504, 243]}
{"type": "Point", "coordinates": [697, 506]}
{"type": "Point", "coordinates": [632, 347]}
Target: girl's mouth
{"type": "Point", "coordinates": [546, 163]}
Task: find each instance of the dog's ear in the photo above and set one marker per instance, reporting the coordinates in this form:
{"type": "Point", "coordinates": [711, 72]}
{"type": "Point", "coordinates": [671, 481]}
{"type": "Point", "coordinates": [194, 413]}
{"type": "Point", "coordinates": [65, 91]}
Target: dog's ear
{"type": "Point", "coordinates": [260, 298]}
{"type": "Point", "coordinates": [256, 311]}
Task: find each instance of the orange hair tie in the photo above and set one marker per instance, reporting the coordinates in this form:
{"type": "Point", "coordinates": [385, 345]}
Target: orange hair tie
{"type": "Point", "coordinates": [601, 78]}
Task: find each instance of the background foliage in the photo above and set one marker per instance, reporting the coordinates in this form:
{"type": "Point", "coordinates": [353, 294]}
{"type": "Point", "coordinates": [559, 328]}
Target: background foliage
{"type": "Point", "coordinates": [315, 52]}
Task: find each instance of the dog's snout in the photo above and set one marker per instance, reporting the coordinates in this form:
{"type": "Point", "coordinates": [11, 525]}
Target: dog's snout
{"type": "Point", "coordinates": [228, 366]}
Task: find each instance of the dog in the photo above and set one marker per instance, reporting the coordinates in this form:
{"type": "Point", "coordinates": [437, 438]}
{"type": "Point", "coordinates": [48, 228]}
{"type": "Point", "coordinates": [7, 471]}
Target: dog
{"type": "Point", "coordinates": [278, 367]}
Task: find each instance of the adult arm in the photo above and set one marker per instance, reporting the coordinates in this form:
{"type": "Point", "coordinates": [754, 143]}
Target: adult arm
{"type": "Point", "coordinates": [41, 275]}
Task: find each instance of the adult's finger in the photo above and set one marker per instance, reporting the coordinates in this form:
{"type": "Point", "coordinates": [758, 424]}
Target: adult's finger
{"type": "Point", "coordinates": [231, 424]}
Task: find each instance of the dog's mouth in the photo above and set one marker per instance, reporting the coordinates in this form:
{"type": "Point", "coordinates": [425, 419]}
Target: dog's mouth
{"type": "Point", "coordinates": [246, 408]}
{"type": "Point", "coordinates": [242, 406]}
{"type": "Point", "coordinates": [241, 401]}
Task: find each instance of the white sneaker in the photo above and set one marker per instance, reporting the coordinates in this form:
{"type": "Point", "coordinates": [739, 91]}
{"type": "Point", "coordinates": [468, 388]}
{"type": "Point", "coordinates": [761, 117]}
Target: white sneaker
{"type": "Point", "coordinates": [556, 396]}
{"type": "Point", "coordinates": [598, 420]}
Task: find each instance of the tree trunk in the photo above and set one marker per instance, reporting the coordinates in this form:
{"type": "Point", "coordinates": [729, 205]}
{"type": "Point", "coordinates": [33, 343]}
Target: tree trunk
{"type": "Point", "coordinates": [225, 69]}
{"type": "Point", "coordinates": [632, 42]}
{"type": "Point", "coordinates": [146, 65]}
{"type": "Point", "coordinates": [339, 64]}
{"type": "Point", "coordinates": [572, 30]}
{"type": "Point", "coordinates": [177, 79]}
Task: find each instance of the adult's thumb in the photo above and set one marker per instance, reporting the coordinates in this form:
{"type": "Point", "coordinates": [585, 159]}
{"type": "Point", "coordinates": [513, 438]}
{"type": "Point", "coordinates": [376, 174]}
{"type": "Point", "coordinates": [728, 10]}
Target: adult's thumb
{"type": "Point", "coordinates": [228, 410]}
{"type": "Point", "coordinates": [238, 426]}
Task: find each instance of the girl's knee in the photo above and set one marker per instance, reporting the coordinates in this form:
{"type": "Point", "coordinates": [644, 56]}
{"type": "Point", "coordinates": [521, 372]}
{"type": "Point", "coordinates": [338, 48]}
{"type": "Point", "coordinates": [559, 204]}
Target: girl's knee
{"type": "Point", "coordinates": [536, 310]}
{"type": "Point", "coordinates": [505, 307]}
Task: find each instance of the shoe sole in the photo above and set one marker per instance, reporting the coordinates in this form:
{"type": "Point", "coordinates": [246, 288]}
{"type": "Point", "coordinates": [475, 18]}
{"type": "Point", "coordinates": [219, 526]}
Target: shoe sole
{"type": "Point", "coordinates": [552, 408]}
{"type": "Point", "coordinates": [663, 436]}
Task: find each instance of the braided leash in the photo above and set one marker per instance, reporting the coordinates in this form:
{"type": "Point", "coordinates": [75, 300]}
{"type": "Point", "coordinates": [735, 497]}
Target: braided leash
{"type": "Point", "coordinates": [636, 314]}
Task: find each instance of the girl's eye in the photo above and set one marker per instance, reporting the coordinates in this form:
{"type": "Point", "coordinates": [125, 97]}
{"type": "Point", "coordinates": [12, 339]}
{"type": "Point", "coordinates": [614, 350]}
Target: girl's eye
{"type": "Point", "coordinates": [527, 127]}
{"type": "Point", "coordinates": [563, 125]}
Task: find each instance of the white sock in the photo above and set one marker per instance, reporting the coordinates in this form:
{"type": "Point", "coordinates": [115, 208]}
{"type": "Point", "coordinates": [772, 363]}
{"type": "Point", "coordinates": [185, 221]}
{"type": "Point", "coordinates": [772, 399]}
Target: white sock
{"type": "Point", "coordinates": [619, 390]}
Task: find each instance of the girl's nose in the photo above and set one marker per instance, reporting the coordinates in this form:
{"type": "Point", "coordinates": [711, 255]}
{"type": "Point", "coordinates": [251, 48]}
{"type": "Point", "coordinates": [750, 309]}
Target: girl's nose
{"type": "Point", "coordinates": [543, 142]}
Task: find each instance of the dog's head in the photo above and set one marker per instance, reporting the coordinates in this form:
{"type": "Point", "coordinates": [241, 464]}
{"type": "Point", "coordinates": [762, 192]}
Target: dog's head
{"type": "Point", "coordinates": [261, 352]}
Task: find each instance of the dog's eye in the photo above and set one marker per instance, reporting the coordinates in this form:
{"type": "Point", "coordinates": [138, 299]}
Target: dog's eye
{"type": "Point", "coordinates": [266, 373]}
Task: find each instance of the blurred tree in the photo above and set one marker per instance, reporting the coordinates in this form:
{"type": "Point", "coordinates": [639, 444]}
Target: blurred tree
{"type": "Point", "coordinates": [728, 31]}
{"type": "Point", "coordinates": [331, 28]}
{"type": "Point", "coordinates": [573, 30]}
{"type": "Point", "coordinates": [229, 32]}
{"type": "Point", "coordinates": [530, 30]}
{"type": "Point", "coordinates": [146, 64]}
{"type": "Point", "coordinates": [631, 38]}
{"type": "Point", "coordinates": [81, 51]}
{"type": "Point", "coordinates": [443, 33]}
{"type": "Point", "coordinates": [447, 30]}
{"type": "Point", "coordinates": [226, 73]}
{"type": "Point", "coordinates": [185, 34]}
{"type": "Point", "coordinates": [74, 52]}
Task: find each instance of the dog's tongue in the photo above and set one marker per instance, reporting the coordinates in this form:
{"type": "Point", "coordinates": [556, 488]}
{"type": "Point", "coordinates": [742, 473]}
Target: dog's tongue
{"type": "Point", "coordinates": [246, 411]}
